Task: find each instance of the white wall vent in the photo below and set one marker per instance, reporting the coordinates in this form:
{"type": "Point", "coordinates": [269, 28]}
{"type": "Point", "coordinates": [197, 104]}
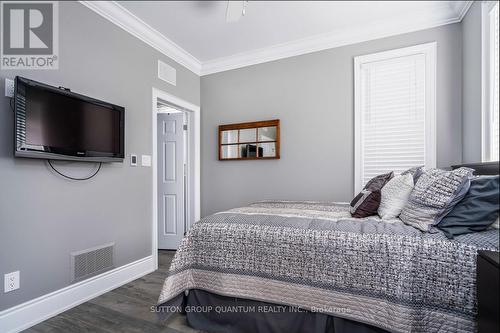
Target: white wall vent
{"type": "Point", "coordinates": [93, 261]}
{"type": "Point", "coordinates": [167, 73]}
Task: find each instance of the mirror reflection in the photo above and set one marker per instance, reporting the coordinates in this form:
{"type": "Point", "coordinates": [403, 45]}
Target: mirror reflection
{"type": "Point", "coordinates": [248, 135]}
{"type": "Point", "coordinates": [230, 151]}
{"type": "Point", "coordinates": [267, 133]}
{"type": "Point", "coordinates": [267, 149]}
{"type": "Point", "coordinates": [230, 136]}
{"type": "Point", "coordinates": [250, 150]}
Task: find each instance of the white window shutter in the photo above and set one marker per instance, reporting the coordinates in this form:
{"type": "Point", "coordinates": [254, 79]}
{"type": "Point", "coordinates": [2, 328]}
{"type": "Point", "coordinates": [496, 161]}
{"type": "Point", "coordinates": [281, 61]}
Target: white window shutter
{"type": "Point", "coordinates": [394, 111]}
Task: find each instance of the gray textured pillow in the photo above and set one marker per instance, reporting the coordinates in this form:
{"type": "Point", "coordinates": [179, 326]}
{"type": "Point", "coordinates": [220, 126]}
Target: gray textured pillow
{"type": "Point", "coordinates": [435, 194]}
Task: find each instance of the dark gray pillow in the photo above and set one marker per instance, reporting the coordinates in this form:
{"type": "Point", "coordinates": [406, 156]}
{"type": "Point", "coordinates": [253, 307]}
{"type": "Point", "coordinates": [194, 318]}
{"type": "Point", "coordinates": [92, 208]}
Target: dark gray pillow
{"type": "Point", "coordinates": [476, 211]}
{"type": "Point", "coordinates": [367, 201]}
{"type": "Point", "coordinates": [377, 182]}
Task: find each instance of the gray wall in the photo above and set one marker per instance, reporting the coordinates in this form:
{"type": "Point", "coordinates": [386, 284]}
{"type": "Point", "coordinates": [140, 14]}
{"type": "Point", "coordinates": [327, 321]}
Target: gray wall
{"type": "Point", "coordinates": [313, 96]}
{"type": "Point", "coordinates": [471, 99]}
{"type": "Point", "coordinates": [44, 217]}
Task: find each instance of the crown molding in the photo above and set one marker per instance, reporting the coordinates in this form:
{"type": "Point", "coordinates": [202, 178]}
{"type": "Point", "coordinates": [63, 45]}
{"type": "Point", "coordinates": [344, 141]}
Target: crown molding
{"type": "Point", "coordinates": [452, 12]}
{"type": "Point", "coordinates": [462, 7]}
{"type": "Point", "coordinates": [117, 14]}
{"type": "Point", "coordinates": [342, 37]}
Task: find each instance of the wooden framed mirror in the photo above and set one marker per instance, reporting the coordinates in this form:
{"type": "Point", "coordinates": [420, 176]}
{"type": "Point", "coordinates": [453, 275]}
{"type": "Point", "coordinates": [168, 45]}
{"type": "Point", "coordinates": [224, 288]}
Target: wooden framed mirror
{"type": "Point", "coordinates": [256, 140]}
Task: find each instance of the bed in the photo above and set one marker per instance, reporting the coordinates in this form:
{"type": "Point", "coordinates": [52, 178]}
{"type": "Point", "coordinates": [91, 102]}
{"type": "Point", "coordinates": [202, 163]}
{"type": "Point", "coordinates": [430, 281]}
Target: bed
{"type": "Point", "coordinates": [288, 266]}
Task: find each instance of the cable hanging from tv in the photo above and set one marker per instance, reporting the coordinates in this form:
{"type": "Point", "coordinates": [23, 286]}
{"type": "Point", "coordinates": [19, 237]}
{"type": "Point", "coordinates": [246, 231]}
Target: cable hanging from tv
{"type": "Point", "coordinates": [75, 178]}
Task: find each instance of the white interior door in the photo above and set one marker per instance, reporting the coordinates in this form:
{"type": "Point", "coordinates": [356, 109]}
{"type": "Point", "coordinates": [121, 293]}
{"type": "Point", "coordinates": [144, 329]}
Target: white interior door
{"type": "Point", "coordinates": [171, 213]}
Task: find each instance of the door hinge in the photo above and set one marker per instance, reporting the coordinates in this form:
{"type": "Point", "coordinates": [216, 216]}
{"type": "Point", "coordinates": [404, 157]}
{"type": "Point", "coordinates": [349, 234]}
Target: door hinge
{"type": "Point", "coordinates": [185, 127]}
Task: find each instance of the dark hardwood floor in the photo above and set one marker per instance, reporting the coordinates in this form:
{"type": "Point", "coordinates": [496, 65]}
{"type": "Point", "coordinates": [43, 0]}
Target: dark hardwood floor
{"type": "Point", "coordinates": [124, 309]}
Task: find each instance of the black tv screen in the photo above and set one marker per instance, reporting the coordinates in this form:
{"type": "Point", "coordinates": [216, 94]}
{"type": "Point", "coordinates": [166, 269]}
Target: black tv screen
{"type": "Point", "coordinates": [54, 123]}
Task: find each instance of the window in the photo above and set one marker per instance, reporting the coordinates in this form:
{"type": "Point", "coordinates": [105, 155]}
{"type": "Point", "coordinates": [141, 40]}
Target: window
{"type": "Point", "coordinates": [490, 87]}
{"type": "Point", "coordinates": [394, 111]}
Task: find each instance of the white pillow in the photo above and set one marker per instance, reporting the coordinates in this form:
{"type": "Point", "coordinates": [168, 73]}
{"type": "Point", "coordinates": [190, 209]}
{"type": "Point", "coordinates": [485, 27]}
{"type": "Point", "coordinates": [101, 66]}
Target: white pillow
{"type": "Point", "coordinates": [394, 196]}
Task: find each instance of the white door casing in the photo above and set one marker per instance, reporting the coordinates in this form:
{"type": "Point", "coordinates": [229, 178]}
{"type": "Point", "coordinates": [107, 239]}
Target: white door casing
{"type": "Point", "coordinates": [193, 112]}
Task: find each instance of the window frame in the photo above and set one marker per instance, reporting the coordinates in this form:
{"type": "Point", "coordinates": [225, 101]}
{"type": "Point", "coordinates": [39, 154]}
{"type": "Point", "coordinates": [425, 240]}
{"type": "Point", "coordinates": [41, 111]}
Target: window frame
{"type": "Point", "coordinates": [487, 85]}
{"type": "Point", "coordinates": [429, 51]}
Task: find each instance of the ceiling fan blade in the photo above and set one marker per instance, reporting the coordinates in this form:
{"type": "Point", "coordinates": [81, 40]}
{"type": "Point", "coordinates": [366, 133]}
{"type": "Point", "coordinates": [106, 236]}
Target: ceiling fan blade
{"type": "Point", "coordinates": [234, 10]}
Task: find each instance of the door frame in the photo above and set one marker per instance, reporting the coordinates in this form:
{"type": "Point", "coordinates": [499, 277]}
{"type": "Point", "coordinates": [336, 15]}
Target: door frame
{"type": "Point", "coordinates": [193, 162]}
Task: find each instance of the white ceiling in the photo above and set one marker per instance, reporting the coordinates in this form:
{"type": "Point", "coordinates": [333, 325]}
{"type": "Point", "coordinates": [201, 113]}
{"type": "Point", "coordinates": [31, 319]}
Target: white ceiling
{"type": "Point", "coordinates": [277, 29]}
{"type": "Point", "coordinates": [200, 28]}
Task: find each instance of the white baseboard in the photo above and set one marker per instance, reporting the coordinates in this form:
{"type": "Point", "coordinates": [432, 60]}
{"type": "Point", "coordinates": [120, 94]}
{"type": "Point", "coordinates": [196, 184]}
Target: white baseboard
{"type": "Point", "coordinates": [25, 315]}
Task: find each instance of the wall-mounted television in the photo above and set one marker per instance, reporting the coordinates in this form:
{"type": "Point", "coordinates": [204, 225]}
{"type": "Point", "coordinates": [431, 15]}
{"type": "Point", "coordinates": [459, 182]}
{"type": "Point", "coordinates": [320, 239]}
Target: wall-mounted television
{"type": "Point", "coordinates": [55, 123]}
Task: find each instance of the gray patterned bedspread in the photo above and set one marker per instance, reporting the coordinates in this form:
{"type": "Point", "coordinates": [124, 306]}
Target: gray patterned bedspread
{"type": "Point", "coordinates": [315, 256]}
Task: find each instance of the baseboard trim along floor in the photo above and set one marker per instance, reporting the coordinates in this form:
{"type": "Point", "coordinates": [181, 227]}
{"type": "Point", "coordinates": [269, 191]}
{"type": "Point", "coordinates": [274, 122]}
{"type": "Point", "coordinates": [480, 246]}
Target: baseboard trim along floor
{"type": "Point", "coordinates": [25, 315]}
